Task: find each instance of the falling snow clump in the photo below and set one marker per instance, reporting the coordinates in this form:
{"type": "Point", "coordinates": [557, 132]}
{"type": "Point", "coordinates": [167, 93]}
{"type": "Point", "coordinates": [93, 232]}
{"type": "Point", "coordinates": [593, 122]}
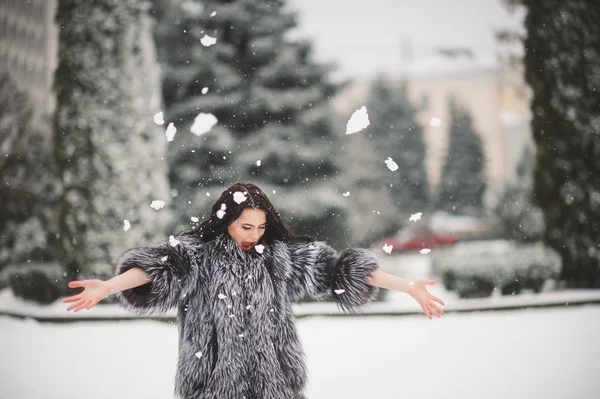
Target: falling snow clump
{"type": "Point", "coordinates": [393, 166]}
{"type": "Point", "coordinates": [259, 248]}
{"type": "Point", "coordinates": [203, 123]}
{"type": "Point", "coordinates": [157, 204]}
{"type": "Point", "coordinates": [208, 41]}
{"type": "Point", "coordinates": [339, 292]}
{"type": "Point", "coordinates": [387, 248]}
{"type": "Point", "coordinates": [415, 216]}
{"type": "Point", "coordinates": [173, 241]}
{"type": "Point", "coordinates": [425, 251]}
{"type": "Point", "coordinates": [358, 121]}
{"type": "Point", "coordinates": [126, 225]}
{"type": "Point", "coordinates": [170, 132]}
{"type": "Point", "coordinates": [158, 118]}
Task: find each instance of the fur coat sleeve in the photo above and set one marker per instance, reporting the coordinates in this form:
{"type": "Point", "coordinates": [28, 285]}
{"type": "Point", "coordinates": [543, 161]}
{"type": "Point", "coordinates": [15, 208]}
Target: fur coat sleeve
{"type": "Point", "coordinates": [168, 265]}
{"type": "Point", "coordinates": [317, 270]}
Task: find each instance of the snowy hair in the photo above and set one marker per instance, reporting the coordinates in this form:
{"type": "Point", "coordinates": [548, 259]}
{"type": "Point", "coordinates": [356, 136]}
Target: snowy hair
{"type": "Point", "coordinates": [227, 210]}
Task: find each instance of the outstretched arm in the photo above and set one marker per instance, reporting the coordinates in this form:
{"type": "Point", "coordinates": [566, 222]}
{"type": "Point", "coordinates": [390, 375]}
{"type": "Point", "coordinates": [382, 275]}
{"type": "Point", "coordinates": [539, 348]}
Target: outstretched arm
{"type": "Point", "coordinates": [416, 289]}
{"type": "Point", "coordinates": [96, 290]}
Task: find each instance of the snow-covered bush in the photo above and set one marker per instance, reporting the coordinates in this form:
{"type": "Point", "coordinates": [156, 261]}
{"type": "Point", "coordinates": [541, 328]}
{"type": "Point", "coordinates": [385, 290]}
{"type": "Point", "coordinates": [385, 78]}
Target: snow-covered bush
{"type": "Point", "coordinates": [41, 282]}
{"type": "Point", "coordinates": [474, 269]}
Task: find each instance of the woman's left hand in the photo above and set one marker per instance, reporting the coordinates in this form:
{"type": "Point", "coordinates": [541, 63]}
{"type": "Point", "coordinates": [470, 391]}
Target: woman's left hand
{"type": "Point", "coordinates": [418, 290]}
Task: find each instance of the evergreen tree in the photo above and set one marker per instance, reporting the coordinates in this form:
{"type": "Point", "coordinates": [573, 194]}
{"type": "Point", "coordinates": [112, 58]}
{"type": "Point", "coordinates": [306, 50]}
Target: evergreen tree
{"type": "Point", "coordinates": [521, 219]}
{"type": "Point", "coordinates": [28, 187]}
{"type": "Point", "coordinates": [271, 101]}
{"type": "Point", "coordinates": [562, 66]}
{"type": "Point", "coordinates": [394, 132]}
{"type": "Point", "coordinates": [109, 153]}
{"type": "Point", "coordinates": [373, 215]}
{"type": "Point", "coordinates": [463, 176]}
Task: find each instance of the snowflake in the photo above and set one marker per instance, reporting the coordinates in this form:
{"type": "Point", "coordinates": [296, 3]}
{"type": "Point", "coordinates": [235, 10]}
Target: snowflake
{"type": "Point", "coordinates": [415, 216]}
{"type": "Point", "coordinates": [203, 123]}
{"type": "Point", "coordinates": [239, 197]}
{"type": "Point", "coordinates": [204, 90]}
{"type": "Point", "coordinates": [126, 225]}
{"type": "Point", "coordinates": [425, 251]}
{"type": "Point", "coordinates": [164, 258]}
{"type": "Point", "coordinates": [173, 241]}
{"type": "Point", "coordinates": [158, 118]}
{"type": "Point", "coordinates": [170, 132]}
{"type": "Point", "coordinates": [393, 166]}
{"type": "Point", "coordinates": [222, 296]}
{"type": "Point", "coordinates": [212, 14]}
{"type": "Point", "coordinates": [259, 248]}
{"type": "Point", "coordinates": [221, 212]}
{"type": "Point", "coordinates": [387, 248]}
{"type": "Point", "coordinates": [208, 41]}
{"type": "Point", "coordinates": [435, 122]}
{"type": "Point", "coordinates": [198, 354]}
{"type": "Point", "coordinates": [339, 292]}
{"type": "Point", "coordinates": [358, 121]}
{"type": "Point", "coordinates": [194, 219]}
{"type": "Point", "coordinates": [346, 194]}
{"type": "Point", "coordinates": [258, 163]}
{"type": "Point", "coordinates": [157, 204]}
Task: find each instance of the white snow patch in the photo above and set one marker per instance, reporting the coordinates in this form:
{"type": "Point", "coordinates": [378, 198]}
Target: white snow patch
{"type": "Point", "coordinates": [212, 14]}
{"type": "Point", "coordinates": [173, 241]}
{"type": "Point", "coordinates": [203, 123]}
{"type": "Point", "coordinates": [221, 212]}
{"type": "Point", "coordinates": [170, 132]}
{"type": "Point", "coordinates": [126, 225]}
{"type": "Point", "coordinates": [339, 292]}
{"type": "Point", "coordinates": [346, 194]}
{"type": "Point", "coordinates": [387, 248]}
{"type": "Point", "coordinates": [393, 166]}
{"type": "Point", "coordinates": [435, 122]}
{"type": "Point", "coordinates": [198, 354]}
{"type": "Point", "coordinates": [194, 219]}
{"type": "Point", "coordinates": [204, 90]}
{"type": "Point", "coordinates": [158, 118]}
{"type": "Point", "coordinates": [239, 197]}
{"type": "Point", "coordinates": [208, 41]}
{"type": "Point", "coordinates": [259, 248]}
{"type": "Point", "coordinates": [415, 216]}
{"type": "Point", "coordinates": [258, 163]}
{"type": "Point", "coordinates": [222, 296]}
{"type": "Point", "coordinates": [157, 204]}
{"type": "Point", "coordinates": [358, 121]}
{"type": "Point", "coordinates": [425, 251]}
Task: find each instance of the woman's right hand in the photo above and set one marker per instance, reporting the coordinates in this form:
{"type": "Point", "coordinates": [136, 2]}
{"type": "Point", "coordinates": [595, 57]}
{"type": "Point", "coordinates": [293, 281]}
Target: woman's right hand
{"type": "Point", "coordinates": [93, 292]}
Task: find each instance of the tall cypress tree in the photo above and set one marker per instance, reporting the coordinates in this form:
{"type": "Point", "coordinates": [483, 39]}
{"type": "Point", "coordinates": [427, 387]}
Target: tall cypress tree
{"type": "Point", "coordinates": [463, 176]}
{"type": "Point", "coordinates": [562, 66]}
{"type": "Point", "coordinates": [28, 185]}
{"type": "Point", "coordinates": [109, 153]}
{"type": "Point", "coordinates": [394, 132]}
{"type": "Point", "coordinates": [271, 101]}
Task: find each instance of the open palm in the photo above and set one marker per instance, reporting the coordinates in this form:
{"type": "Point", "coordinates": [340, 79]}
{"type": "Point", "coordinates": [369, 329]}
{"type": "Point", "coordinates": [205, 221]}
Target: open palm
{"type": "Point", "coordinates": [93, 292]}
{"type": "Point", "coordinates": [418, 290]}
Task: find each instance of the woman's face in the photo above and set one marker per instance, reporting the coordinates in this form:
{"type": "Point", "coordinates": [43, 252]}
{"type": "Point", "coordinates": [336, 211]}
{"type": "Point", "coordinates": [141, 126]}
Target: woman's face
{"type": "Point", "coordinates": [248, 228]}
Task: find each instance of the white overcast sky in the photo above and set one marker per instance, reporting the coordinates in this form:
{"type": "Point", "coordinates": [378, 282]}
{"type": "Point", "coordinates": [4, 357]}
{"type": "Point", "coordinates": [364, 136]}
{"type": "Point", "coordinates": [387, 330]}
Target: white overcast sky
{"type": "Point", "coordinates": [365, 37]}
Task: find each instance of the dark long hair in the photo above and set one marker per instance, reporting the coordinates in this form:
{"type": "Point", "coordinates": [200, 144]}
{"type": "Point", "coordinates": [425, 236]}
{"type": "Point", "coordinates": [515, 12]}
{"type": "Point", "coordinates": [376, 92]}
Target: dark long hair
{"type": "Point", "coordinates": [214, 226]}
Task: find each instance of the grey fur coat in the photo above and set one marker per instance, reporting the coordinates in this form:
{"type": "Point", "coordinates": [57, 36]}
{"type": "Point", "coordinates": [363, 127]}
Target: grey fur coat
{"type": "Point", "coordinates": [237, 337]}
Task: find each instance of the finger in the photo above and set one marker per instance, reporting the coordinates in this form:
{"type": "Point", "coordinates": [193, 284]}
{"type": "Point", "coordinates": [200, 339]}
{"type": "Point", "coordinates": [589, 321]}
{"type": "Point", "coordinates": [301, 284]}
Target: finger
{"type": "Point", "coordinates": [426, 312]}
{"type": "Point", "coordinates": [435, 312]}
{"type": "Point", "coordinates": [430, 282]}
{"type": "Point", "coordinates": [76, 304]}
{"type": "Point", "coordinates": [437, 308]}
{"type": "Point", "coordinates": [438, 300]}
{"type": "Point", "coordinates": [91, 304]}
{"type": "Point", "coordinates": [72, 299]}
{"type": "Point", "coordinates": [82, 306]}
{"type": "Point", "coordinates": [77, 284]}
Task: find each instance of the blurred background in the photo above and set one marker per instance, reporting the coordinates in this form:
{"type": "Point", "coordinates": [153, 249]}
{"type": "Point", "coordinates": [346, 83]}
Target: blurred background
{"type": "Point", "coordinates": [490, 109]}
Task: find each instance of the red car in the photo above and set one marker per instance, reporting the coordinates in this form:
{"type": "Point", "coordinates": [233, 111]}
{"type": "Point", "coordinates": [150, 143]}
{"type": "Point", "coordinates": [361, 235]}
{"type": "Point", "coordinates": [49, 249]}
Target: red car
{"type": "Point", "coordinates": [418, 238]}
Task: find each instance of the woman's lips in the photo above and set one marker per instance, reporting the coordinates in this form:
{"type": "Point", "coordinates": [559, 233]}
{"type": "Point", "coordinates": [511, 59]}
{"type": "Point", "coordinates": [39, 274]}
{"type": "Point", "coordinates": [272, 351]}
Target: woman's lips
{"type": "Point", "coordinates": [247, 246]}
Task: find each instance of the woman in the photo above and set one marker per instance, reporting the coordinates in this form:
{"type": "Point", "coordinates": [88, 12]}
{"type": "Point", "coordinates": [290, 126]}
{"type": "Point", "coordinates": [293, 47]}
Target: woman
{"type": "Point", "coordinates": [233, 279]}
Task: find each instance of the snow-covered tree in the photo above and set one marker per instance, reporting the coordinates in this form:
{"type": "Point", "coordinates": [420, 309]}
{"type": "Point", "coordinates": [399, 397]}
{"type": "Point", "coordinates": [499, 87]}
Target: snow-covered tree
{"type": "Point", "coordinates": [110, 155]}
{"type": "Point", "coordinates": [372, 214]}
{"type": "Point", "coordinates": [562, 66]}
{"type": "Point", "coordinates": [521, 219]}
{"type": "Point", "coordinates": [271, 102]}
{"type": "Point", "coordinates": [394, 132]}
{"type": "Point", "coordinates": [463, 175]}
{"type": "Point", "coordinates": [27, 184]}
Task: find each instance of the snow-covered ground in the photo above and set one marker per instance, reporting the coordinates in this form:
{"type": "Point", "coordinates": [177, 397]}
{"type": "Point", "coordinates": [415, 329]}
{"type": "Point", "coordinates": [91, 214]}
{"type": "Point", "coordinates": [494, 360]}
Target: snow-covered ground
{"type": "Point", "coordinates": [535, 353]}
